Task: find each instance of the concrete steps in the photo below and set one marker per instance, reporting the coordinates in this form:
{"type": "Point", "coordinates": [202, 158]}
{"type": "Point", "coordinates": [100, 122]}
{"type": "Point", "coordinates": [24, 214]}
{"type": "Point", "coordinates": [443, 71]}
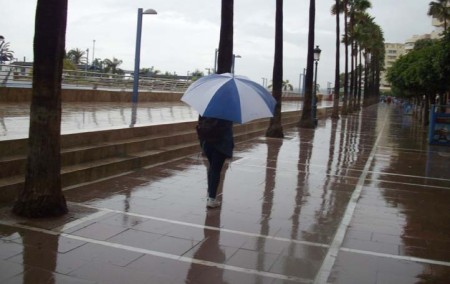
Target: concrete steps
{"type": "Point", "coordinates": [91, 156]}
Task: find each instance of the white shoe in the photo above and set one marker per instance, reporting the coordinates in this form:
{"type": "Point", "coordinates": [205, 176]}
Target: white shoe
{"type": "Point", "coordinates": [212, 203]}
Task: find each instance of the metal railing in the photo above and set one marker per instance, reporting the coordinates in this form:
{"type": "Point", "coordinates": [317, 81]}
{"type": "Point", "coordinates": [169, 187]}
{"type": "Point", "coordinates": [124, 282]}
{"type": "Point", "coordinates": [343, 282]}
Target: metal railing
{"type": "Point", "coordinates": [21, 76]}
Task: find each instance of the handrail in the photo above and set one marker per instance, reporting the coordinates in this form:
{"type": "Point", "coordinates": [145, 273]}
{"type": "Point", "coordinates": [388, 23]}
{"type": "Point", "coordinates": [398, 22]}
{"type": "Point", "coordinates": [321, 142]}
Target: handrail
{"type": "Point", "coordinates": [21, 76]}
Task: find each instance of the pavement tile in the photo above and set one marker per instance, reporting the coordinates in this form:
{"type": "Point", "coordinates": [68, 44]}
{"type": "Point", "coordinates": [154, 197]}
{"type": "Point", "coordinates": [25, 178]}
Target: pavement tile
{"type": "Point", "coordinates": [279, 196]}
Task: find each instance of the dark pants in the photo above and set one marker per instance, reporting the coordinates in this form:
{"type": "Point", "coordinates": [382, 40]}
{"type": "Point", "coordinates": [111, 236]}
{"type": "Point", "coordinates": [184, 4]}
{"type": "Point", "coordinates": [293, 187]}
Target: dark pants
{"type": "Point", "coordinates": [216, 160]}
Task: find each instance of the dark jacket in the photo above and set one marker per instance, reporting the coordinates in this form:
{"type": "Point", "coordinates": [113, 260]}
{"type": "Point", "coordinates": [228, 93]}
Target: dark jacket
{"type": "Point", "coordinates": [225, 144]}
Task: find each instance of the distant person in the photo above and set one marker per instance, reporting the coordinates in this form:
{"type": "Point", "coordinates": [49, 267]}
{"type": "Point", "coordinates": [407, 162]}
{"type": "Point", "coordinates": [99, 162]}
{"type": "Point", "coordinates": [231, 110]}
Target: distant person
{"type": "Point", "coordinates": [217, 143]}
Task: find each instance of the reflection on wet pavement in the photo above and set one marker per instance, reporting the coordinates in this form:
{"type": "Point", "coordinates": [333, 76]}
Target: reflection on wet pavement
{"type": "Point", "coordinates": [360, 200]}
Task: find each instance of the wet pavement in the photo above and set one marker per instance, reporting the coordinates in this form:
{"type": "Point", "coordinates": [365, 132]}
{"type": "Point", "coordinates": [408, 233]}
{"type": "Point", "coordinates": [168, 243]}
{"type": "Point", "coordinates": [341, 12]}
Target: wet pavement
{"type": "Point", "coordinates": [94, 116]}
{"type": "Point", "coordinates": [360, 200]}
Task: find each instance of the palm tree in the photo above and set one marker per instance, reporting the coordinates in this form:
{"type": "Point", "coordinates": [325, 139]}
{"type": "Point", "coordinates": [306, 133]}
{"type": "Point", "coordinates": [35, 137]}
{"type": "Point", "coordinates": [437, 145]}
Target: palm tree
{"type": "Point", "coordinates": [5, 53]}
{"type": "Point", "coordinates": [344, 103]}
{"type": "Point", "coordinates": [441, 11]}
{"type": "Point", "coordinates": [42, 195]}
{"type": "Point", "coordinates": [356, 8]}
{"type": "Point", "coordinates": [287, 86]}
{"type": "Point", "coordinates": [375, 56]}
{"type": "Point", "coordinates": [76, 55]}
{"type": "Point", "coordinates": [225, 56]}
{"type": "Point", "coordinates": [97, 65]}
{"type": "Point", "coordinates": [275, 129]}
{"type": "Point", "coordinates": [111, 65]}
{"type": "Point", "coordinates": [336, 10]}
{"type": "Point", "coordinates": [363, 33]}
{"type": "Point", "coordinates": [306, 120]}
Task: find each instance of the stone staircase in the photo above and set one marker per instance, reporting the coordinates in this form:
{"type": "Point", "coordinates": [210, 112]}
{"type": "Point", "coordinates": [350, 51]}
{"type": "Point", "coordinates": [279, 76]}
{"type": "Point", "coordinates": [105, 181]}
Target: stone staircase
{"type": "Point", "coordinates": [91, 156]}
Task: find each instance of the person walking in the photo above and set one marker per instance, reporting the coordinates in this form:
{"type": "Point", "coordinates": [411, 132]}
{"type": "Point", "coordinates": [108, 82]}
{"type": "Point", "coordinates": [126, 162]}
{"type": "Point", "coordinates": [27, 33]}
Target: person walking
{"type": "Point", "coordinates": [217, 143]}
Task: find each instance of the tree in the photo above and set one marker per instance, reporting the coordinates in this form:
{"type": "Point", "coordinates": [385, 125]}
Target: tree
{"type": "Point", "coordinates": [362, 35]}
{"type": "Point", "coordinates": [345, 98]}
{"type": "Point", "coordinates": [374, 56]}
{"type": "Point", "coordinates": [97, 65]}
{"type": "Point", "coordinates": [275, 128]}
{"type": "Point", "coordinates": [445, 65]}
{"type": "Point", "coordinates": [306, 120]}
{"type": "Point", "coordinates": [441, 11]}
{"type": "Point", "coordinates": [336, 10]}
{"type": "Point", "coordinates": [196, 75]}
{"type": "Point", "coordinates": [41, 195]}
{"type": "Point", "coordinates": [5, 53]}
{"type": "Point", "coordinates": [357, 7]}
{"type": "Point", "coordinates": [69, 65]}
{"type": "Point", "coordinates": [225, 57]}
{"type": "Point", "coordinates": [112, 65]}
{"type": "Point", "coordinates": [423, 71]}
{"type": "Point", "coordinates": [76, 56]}
{"type": "Point", "coordinates": [287, 86]}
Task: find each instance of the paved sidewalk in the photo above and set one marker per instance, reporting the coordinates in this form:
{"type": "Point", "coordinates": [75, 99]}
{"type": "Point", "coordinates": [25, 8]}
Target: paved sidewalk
{"type": "Point", "coordinates": [94, 116]}
{"type": "Point", "coordinates": [361, 200]}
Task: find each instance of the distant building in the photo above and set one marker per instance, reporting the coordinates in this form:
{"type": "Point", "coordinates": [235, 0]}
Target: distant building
{"type": "Point", "coordinates": [395, 50]}
{"type": "Point", "coordinates": [409, 43]}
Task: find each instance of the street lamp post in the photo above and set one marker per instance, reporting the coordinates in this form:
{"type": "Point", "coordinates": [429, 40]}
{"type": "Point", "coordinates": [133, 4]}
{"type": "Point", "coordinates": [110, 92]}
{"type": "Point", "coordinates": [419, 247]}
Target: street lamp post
{"type": "Point", "coordinates": [234, 60]}
{"type": "Point", "coordinates": [137, 56]}
{"type": "Point", "coordinates": [87, 61]}
{"type": "Point", "coordinates": [216, 54]}
{"type": "Point", "coordinates": [314, 100]}
{"type": "Point", "coordinates": [2, 40]}
{"type": "Point", "coordinates": [93, 51]}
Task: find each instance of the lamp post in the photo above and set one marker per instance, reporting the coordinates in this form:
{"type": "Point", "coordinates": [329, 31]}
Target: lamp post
{"type": "Point", "coordinates": [137, 56]}
{"type": "Point", "coordinates": [93, 51]}
{"type": "Point", "coordinates": [314, 100]}
{"type": "Point", "coordinates": [2, 40]}
{"type": "Point", "coordinates": [87, 61]}
{"type": "Point", "coordinates": [234, 60]}
{"type": "Point", "coordinates": [216, 54]}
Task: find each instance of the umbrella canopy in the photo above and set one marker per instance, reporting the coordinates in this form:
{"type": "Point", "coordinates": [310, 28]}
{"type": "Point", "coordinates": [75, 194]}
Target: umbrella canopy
{"type": "Point", "coordinates": [229, 97]}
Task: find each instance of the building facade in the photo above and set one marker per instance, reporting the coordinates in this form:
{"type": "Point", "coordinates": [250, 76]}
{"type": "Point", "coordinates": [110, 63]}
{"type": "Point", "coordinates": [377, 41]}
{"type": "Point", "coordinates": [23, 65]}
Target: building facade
{"type": "Point", "coordinates": [393, 51]}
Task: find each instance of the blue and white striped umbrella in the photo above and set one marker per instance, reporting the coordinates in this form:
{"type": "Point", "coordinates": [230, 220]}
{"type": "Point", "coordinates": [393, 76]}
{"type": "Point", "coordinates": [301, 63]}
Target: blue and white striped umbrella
{"type": "Point", "coordinates": [229, 97]}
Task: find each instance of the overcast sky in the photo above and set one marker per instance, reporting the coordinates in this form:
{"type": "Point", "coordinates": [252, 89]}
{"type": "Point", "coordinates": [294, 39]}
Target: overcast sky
{"type": "Point", "coordinates": [183, 36]}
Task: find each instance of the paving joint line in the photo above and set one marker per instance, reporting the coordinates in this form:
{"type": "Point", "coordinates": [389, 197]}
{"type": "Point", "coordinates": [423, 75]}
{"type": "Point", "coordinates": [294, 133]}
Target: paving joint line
{"type": "Point", "coordinates": [206, 227]}
{"type": "Point", "coordinates": [332, 254]}
{"type": "Point", "coordinates": [162, 254]}
{"type": "Point", "coordinates": [399, 257]}
{"type": "Point", "coordinates": [392, 256]}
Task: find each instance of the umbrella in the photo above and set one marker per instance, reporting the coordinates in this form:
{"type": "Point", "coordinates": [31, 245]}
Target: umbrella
{"type": "Point", "coordinates": [229, 97]}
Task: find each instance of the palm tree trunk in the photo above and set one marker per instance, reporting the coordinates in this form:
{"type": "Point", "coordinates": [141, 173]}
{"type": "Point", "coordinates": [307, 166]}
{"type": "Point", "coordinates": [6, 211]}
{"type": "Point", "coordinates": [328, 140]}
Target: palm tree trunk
{"type": "Point", "coordinates": [355, 76]}
{"type": "Point", "coordinates": [335, 114]}
{"type": "Point", "coordinates": [360, 68]}
{"type": "Point", "coordinates": [275, 129]}
{"type": "Point", "coordinates": [366, 83]}
{"type": "Point", "coordinates": [42, 195]}
{"type": "Point", "coordinates": [352, 78]}
{"type": "Point", "coordinates": [306, 120]}
{"type": "Point", "coordinates": [225, 58]}
{"type": "Point", "coordinates": [345, 103]}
